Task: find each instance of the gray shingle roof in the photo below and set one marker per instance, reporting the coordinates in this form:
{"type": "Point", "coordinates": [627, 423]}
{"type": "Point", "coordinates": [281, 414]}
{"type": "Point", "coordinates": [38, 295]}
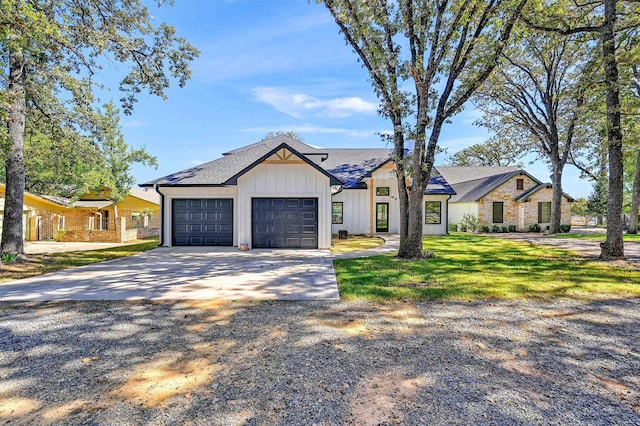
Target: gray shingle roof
{"type": "Point", "coordinates": [271, 143]}
{"type": "Point", "coordinates": [351, 165]}
{"type": "Point", "coordinates": [219, 171]}
{"type": "Point", "coordinates": [473, 183]}
{"type": "Point", "coordinates": [457, 174]}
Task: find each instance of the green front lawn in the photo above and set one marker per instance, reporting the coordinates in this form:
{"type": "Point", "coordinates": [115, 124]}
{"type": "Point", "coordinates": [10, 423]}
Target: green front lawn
{"type": "Point", "coordinates": [354, 243]}
{"type": "Point", "coordinates": [38, 264]}
{"type": "Point", "coordinates": [475, 267]}
{"type": "Point", "coordinates": [594, 237]}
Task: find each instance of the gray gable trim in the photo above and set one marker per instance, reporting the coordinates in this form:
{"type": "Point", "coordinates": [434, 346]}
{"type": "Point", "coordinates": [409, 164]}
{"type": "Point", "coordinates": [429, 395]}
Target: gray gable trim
{"type": "Point", "coordinates": [233, 180]}
{"type": "Point", "coordinates": [525, 196]}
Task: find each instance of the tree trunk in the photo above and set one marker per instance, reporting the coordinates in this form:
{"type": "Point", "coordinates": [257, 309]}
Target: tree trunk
{"type": "Point", "coordinates": [12, 239]}
{"type": "Point", "coordinates": [556, 199]}
{"type": "Point", "coordinates": [613, 247]}
{"type": "Point", "coordinates": [403, 197]}
{"type": "Point", "coordinates": [635, 199]}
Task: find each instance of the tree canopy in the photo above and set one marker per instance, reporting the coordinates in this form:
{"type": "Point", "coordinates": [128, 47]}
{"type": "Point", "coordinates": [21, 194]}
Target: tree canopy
{"type": "Point", "coordinates": [425, 60]}
{"type": "Point", "coordinates": [52, 52]}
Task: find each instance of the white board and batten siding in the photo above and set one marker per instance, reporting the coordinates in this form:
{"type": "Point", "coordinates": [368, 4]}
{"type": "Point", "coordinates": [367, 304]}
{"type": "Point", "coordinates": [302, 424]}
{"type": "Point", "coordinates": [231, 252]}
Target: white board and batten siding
{"type": "Point", "coordinates": [171, 193]}
{"type": "Point", "coordinates": [287, 181]}
{"type": "Point", "coordinates": [355, 211]}
{"type": "Point", "coordinates": [458, 210]}
{"type": "Point", "coordinates": [435, 228]}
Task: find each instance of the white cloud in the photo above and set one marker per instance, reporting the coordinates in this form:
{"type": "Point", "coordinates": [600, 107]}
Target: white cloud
{"type": "Point", "coordinates": [296, 104]}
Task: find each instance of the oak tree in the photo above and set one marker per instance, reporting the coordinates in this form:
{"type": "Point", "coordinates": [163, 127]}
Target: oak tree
{"type": "Point", "coordinates": [51, 53]}
{"type": "Point", "coordinates": [424, 59]}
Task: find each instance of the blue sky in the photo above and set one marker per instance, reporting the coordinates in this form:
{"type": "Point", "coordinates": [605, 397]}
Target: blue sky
{"type": "Point", "coordinates": [268, 66]}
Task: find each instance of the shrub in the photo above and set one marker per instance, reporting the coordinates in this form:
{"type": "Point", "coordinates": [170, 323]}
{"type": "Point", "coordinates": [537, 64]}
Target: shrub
{"type": "Point", "coordinates": [505, 228]}
{"type": "Point", "coordinates": [565, 228]}
{"type": "Point", "coordinates": [485, 228]}
{"type": "Point", "coordinates": [9, 258]}
{"type": "Point", "coordinates": [470, 222]}
{"type": "Point", "coordinates": [463, 228]}
{"type": "Point", "coordinates": [428, 254]}
{"type": "Point", "coordinates": [495, 228]}
{"type": "Point", "coordinates": [535, 228]}
{"type": "Point", "coordinates": [453, 227]}
{"type": "Point", "coordinates": [512, 228]}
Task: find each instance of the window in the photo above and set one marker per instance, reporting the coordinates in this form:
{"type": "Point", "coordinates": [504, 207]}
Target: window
{"type": "Point", "coordinates": [519, 184]}
{"type": "Point", "coordinates": [336, 212]}
{"type": "Point", "coordinates": [544, 212]}
{"type": "Point", "coordinates": [433, 212]}
{"type": "Point", "coordinates": [382, 191]}
{"type": "Point", "coordinates": [498, 210]}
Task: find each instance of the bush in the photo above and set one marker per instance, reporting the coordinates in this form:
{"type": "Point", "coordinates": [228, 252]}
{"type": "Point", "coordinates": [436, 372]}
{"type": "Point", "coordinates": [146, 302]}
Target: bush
{"type": "Point", "coordinates": [463, 228]}
{"type": "Point", "coordinates": [470, 222]}
{"type": "Point", "coordinates": [565, 228]}
{"type": "Point", "coordinates": [535, 228]}
{"type": "Point", "coordinates": [505, 228]}
{"type": "Point", "coordinates": [453, 227]}
{"type": "Point", "coordinates": [485, 228]}
{"type": "Point", "coordinates": [512, 228]}
{"type": "Point", "coordinates": [495, 228]}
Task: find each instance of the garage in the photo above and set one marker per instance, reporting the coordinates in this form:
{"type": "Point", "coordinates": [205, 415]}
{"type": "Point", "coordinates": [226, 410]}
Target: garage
{"type": "Point", "coordinates": [203, 222]}
{"type": "Point", "coordinates": [285, 223]}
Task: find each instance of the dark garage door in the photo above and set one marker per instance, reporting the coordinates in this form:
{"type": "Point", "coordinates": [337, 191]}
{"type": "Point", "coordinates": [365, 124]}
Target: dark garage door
{"type": "Point", "coordinates": [203, 222]}
{"type": "Point", "coordinates": [285, 222]}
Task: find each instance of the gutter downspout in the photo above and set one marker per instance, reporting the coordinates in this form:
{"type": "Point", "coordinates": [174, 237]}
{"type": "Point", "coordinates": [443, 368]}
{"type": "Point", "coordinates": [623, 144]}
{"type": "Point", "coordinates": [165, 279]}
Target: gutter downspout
{"type": "Point", "coordinates": [155, 186]}
{"type": "Point", "coordinates": [447, 220]}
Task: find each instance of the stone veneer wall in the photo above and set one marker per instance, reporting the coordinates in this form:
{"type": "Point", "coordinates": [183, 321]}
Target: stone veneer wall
{"type": "Point", "coordinates": [531, 208]}
{"type": "Point", "coordinates": [505, 193]}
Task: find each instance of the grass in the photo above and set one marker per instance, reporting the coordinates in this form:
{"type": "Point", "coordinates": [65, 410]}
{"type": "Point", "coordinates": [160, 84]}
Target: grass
{"type": "Point", "coordinates": [474, 267]}
{"type": "Point", "coordinates": [355, 243]}
{"type": "Point", "coordinates": [38, 264]}
{"type": "Point", "coordinates": [594, 237]}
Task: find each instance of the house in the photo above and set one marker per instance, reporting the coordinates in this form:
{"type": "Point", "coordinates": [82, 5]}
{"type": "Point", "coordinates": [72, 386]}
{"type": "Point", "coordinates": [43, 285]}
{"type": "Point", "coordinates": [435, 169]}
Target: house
{"type": "Point", "coordinates": [282, 193]}
{"type": "Point", "coordinates": [501, 196]}
{"type": "Point", "coordinates": [41, 216]}
{"type": "Point", "coordinates": [50, 217]}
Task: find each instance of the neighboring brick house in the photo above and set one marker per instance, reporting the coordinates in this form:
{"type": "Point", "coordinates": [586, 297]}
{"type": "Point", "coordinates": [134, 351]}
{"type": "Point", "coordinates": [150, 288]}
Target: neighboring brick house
{"type": "Point", "coordinates": [89, 219]}
{"type": "Point", "coordinates": [501, 196]}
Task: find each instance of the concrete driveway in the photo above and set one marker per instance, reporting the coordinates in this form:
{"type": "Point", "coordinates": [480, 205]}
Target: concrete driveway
{"type": "Point", "coordinates": [198, 273]}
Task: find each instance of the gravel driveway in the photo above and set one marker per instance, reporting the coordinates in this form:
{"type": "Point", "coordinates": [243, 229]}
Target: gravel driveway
{"type": "Point", "coordinates": [197, 363]}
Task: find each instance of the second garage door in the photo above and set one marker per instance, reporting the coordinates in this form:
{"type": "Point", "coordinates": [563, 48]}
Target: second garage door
{"type": "Point", "coordinates": [285, 223]}
{"type": "Point", "coordinates": [203, 222]}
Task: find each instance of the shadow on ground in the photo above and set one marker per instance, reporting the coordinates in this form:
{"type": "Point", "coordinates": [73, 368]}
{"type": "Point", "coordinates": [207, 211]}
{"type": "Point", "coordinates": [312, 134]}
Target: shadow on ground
{"type": "Point", "coordinates": [561, 362]}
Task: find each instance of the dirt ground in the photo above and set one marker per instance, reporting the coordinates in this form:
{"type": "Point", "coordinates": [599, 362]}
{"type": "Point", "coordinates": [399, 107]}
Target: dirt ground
{"type": "Point", "coordinates": [281, 363]}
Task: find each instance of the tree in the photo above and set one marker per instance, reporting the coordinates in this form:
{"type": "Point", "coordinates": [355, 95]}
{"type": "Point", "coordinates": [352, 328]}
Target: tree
{"type": "Point", "coordinates": [536, 96]}
{"type": "Point", "coordinates": [598, 200]}
{"type": "Point", "coordinates": [58, 161]}
{"type": "Point", "coordinates": [605, 20]}
{"type": "Point", "coordinates": [446, 49]}
{"type": "Point", "coordinates": [580, 207]}
{"type": "Point", "coordinates": [117, 180]}
{"type": "Point", "coordinates": [493, 153]}
{"type": "Point", "coordinates": [291, 134]}
{"type": "Point", "coordinates": [52, 50]}
{"type": "Point", "coordinates": [634, 79]}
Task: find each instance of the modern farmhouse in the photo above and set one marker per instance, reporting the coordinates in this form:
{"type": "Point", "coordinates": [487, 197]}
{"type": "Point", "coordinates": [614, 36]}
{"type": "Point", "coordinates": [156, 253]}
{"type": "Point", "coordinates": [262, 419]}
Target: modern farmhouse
{"type": "Point", "coordinates": [282, 193]}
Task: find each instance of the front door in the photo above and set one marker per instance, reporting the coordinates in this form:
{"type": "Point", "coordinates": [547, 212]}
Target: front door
{"type": "Point", "coordinates": [382, 217]}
